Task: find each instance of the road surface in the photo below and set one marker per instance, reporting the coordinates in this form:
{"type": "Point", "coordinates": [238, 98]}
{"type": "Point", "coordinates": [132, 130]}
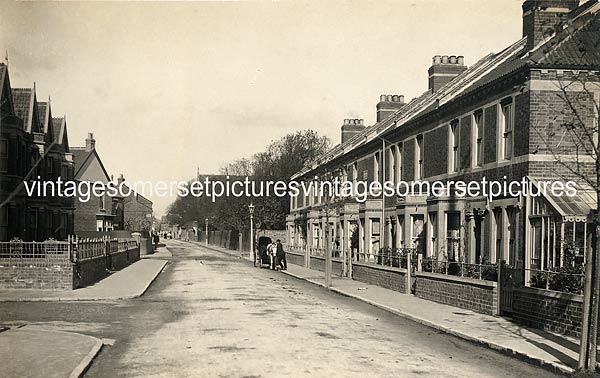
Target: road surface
{"type": "Point", "coordinates": [212, 315]}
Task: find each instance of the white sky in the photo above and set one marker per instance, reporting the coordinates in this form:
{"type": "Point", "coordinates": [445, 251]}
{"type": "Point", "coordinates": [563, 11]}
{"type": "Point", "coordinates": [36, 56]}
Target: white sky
{"type": "Point", "coordinates": [168, 87]}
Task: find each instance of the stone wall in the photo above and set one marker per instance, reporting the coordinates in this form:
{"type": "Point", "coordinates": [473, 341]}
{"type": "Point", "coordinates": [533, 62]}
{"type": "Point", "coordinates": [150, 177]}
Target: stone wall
{"type": "Point", "coordinates": [471, 294]}
{"type": "Point", "coordinates": [387, 277]}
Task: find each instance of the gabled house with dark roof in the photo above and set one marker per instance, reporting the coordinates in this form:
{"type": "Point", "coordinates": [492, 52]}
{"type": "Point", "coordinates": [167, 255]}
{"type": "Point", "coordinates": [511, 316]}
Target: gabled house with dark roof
{"type": "Point", "coordinates": [28, 151]}
{"type": "Point", "coordinates": [96, 214]}
{"type": "Point", "coordinates": [498, 118]}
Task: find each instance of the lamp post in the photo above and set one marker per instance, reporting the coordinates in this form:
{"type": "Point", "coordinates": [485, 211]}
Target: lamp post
{"type": "Point", "coordinates": [251, 210]}
{"type": "Point", "coordinates": [206, 228]}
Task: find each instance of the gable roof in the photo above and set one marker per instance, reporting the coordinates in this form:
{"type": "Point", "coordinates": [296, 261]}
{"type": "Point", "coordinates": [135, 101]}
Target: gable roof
{"type": "Point", "coordinates": [59, 131]}
{"type": "Point", "coordinates": [26, 108]}
{"type": "Point", "coordinates": [45, 120]}
{"type": "Point", "coordinates": [82, 159]}
{"type": "Point", "coordinates": [5, 91]}
{"type": "Point", "coordinates": [578, 45]}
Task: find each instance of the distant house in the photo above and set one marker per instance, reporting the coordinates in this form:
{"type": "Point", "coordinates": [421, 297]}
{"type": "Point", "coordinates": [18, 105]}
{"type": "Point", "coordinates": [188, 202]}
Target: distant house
{"type": "Point", "coordinates": [98, 213]}
{"type": "Point", "coordinates": [32, 145]}
{"type": "Point", "coordinates": [137, 212]}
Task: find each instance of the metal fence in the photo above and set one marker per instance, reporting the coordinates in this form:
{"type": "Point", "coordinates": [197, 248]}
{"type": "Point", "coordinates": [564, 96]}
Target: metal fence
{"type": "Point", "coordinates": [18, 250]}
{"type": "Point", "coordinates": [392, 257]}
{"type": "Point", "coordinates": [564, 281]}
{"type": "Point", "coordinates": [75, 249]}
{"type": "Point", "coordinates": [486, 272]}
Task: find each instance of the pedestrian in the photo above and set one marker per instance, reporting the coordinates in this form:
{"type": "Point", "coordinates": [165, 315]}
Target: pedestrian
{"type": "Point", "coordinates": [155, 239]}
{"type": "Point", "coordinates": [280, 254]}
{"type": "Point", "coordinates": [272, 252]}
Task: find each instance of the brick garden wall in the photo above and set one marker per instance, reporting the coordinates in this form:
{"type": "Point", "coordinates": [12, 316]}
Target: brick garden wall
{"type": "Point", "coordinates": [318, 263]}
{"type": "Point", "coordinates": [548, 310]}
{"type": "Point", "coordinates": [389, 278]}
{"type": "Point", "coordinates": [121, 260]}
{"type": "Point", "coordinates": [51, 272]}
{"type": "Point", "coordinates": [471, 294]}
{"type": "Point", "coordinates": [90, 271]}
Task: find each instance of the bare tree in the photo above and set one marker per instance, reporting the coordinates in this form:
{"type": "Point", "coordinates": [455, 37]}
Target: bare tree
{"type": "Point", "coordinates": [571, 138]}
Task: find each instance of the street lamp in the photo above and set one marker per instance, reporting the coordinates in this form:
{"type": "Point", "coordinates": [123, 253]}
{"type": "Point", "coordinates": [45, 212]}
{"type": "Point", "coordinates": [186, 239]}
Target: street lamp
{"type": "Point", "coordinates": [206, 227]}
{"type": "Point", "coordinates": [251, 209]}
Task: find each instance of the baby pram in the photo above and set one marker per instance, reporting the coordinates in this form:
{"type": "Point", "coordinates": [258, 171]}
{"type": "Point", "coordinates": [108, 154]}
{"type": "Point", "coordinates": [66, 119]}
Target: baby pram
{"type": "Point", "coordinates": [262, 257]}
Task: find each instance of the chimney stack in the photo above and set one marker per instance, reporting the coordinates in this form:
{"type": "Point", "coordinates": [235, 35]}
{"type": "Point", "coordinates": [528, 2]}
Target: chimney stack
{"type": "Point", "coordinates": [388, 104]}
{"type": "Point", "coordinates": [351, 127]}
{"type": "Point", "coordinates": [443, 69]}
{"type": "Point", "coordinates": [90, 143]}
{"type": "Point", "coordinates": [120, 179]}
{"type": "Point", "coordinates": [542, 18]}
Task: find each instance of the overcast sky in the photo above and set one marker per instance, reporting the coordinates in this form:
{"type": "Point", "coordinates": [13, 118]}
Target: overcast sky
{"type": "Point", "coordinates": [169, 87]}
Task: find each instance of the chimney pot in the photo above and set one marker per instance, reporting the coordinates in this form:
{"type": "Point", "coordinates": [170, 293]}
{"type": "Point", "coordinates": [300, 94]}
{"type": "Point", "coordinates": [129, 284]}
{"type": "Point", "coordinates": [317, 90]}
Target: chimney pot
{"type": "Point", "coordinates": [90, 143]}
{"type": "Point", "coordinates": [389, 98]}
{"type": "Point", "coordinates": [444, 59]}
{"type": "Point", "coordinates": [382, 98]}
{"type": "Point", "coordinates": [461, 60]}
{"type": "Point", "coordinates": [452, 59]}
{"type": "Point", "coordinates": [437, 59]}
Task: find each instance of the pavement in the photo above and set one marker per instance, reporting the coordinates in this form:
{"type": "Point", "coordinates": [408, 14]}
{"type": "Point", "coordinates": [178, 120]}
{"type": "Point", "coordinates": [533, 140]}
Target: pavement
{"type": "Point", "coordinates": [38, 351]}
{"type": "Point", "coordinates": [26, 352]}
{"type": "Point", "coordinates": [118, 285]}
{"type": "Point", "coordinates": [551, 351]}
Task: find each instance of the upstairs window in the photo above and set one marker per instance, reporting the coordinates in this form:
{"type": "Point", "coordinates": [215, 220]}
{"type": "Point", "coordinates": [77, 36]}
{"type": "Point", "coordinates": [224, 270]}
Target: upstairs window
{"type": "Point", "coordinates": [419, 157]}
{"type": "Point", "coordinates": [478, 141]}
{"type": "Point", "coordinates": [454, 160]}
{"type": "Point", "coordinates": [398, 161]}
{"type": "Point", "coordinates": [392, 165]}
{"type": "Point", "coordinates": [3, 155]}
{"type": "Point", "coordinates": [507, 129]}
{"type": "Point", "coordinates": [376, 168]}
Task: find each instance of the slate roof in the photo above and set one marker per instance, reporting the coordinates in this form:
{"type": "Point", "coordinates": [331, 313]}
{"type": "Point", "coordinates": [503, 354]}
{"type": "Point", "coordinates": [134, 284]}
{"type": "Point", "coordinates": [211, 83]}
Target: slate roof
{"type": "Point", "coordinates": [57, 124]}
{"type": "Point", "coordinates": [80, 159]}
{"type": "Point", "coordinates": [576, 46]}
{"type": "Point", "coordinates": [22, 103]}
{"type": "Point", "coordinates": [42, 108]}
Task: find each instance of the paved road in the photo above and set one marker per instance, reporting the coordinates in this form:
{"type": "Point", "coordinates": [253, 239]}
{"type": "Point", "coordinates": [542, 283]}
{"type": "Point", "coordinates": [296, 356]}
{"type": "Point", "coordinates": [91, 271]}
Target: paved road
{"type": "Point", "coordinates": [210, 315]}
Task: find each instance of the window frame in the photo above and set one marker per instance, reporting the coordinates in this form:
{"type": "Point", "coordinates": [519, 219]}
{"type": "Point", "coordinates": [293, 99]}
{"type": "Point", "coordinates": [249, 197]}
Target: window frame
{"type": "Point", "coordinates": [478, 136]}
{"type": "Point", "coordinates": [3, 155]}
{"type": "Point", "coordinates": [507, 128]}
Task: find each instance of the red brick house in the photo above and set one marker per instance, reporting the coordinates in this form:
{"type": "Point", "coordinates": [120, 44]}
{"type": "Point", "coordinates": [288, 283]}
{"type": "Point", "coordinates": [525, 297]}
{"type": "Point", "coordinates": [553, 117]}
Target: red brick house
{"type": "Point", "coordinates": [98, 213]}
{"type": "Point", "coordinates": [138, 212]}
{"type": "Point", "coordinates": [31, 147]}
{"type": "Point", "coordinates": [472, 122]}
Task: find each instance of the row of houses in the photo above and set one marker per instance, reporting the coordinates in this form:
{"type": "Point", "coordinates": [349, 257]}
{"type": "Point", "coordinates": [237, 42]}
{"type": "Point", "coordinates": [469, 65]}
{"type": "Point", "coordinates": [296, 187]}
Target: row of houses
{"type": "Point", "coordinates": [510, 114]}
{"type": "Point", "coordinates": [34, 145]}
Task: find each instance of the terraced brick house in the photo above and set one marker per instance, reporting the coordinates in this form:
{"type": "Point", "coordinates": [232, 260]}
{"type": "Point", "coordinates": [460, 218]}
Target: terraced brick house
{"type": "Point", "coordinates": [32, 144]}
{"type": "Point", "coordinates": [491, 119]}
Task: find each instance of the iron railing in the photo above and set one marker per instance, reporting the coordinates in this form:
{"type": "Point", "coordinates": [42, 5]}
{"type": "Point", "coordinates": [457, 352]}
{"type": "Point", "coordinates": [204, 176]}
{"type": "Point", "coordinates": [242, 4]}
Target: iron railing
{"type": "Point", "coordinates": [481, 271]}
{"type": "Point", "coordinates": [75, 249]}
{"type": "Point", "coordinates": [563, 281]}
{"type": "Point", "coordinates": [392, 257]}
